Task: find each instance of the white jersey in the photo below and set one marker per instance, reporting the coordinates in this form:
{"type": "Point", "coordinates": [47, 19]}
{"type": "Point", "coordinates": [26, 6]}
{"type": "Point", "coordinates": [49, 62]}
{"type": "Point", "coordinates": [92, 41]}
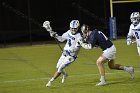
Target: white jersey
{"type": "Point", "coordinates": [72, 42]}
{"type": "Point", "coordinates": [135, 31]}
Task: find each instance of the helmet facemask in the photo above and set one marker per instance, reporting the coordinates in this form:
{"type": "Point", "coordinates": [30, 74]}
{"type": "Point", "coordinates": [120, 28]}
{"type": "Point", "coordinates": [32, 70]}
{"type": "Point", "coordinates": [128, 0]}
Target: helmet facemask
{"type": "Point", "coordinates": [73, 30]}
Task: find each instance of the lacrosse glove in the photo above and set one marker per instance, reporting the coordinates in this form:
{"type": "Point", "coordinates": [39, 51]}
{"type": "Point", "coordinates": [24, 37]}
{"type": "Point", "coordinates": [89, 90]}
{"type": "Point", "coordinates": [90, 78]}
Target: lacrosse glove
{"type": "Point", "coordinates": [53, 34]}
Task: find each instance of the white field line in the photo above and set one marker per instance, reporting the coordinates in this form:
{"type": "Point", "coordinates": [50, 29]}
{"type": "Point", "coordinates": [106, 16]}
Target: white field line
{"type": "Point", "coordinates": [46, 78]}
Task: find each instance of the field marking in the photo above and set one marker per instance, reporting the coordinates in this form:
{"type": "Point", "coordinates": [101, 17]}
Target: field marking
{"type": "Point", "coordinates": [24, 80]}
{"type": "Point", "coordinates": [47, 78]}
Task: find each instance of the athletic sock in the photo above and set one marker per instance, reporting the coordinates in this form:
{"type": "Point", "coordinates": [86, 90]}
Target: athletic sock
{"type": "Point", "coordinates": [52, 79]}
{"type": "Point", "coordinates": [102, 79]}
{"type": "Point", "coordinates": [125, 68]}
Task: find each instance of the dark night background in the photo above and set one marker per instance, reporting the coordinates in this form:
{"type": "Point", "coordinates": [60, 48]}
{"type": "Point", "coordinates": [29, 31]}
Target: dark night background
{"type": "Point", "coordinates": [15, 28]}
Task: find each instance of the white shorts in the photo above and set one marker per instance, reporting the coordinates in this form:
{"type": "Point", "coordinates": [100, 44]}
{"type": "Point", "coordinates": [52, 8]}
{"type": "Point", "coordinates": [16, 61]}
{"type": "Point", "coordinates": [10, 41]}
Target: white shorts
{"type": "Point", "coordinates": [110, 53]}
{"type": "Point", "coordinates": [64, 61]}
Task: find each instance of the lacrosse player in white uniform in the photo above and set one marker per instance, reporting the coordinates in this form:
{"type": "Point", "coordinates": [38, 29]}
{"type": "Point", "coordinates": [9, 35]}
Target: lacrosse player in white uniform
{"type": "Point", "coordinates": [134, 30]}
{"type": "Point", "coordinates": [70, 50]}
{"type": "Point", "coordinates": [96, 38]}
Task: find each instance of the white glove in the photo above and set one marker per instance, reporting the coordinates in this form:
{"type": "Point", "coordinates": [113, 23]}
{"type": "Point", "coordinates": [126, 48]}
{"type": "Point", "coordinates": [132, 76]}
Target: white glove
{"type": "Point", "coordinates": [53, 34]}
{"type": "Point", "coordinates": [129, 41]}
{"type": "Point", "coordinates": [46, 24]}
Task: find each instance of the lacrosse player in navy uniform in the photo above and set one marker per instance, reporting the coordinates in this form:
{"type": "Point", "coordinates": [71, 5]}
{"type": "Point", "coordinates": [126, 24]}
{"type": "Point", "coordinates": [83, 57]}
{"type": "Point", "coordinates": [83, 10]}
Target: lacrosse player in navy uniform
{"type": "Point", "coordinates": [96, 38]}
{"type": "Point", "coordinates": [134, 30]}
{"type": "Point", "coordinates": [70, 50]}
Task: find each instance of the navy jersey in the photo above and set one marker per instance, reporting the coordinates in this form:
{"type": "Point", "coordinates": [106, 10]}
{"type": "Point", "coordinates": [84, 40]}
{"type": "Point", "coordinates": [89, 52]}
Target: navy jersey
{"type": "Point", "coordinates": [97, 38]}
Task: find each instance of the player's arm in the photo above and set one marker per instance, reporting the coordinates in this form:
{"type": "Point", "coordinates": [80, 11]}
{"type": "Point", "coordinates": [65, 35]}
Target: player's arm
{"type": "Point", "coordinates": [129, 40]}
{"type": "Point", "coordinates": [59, 38]}
{"type": "Point", "coordinates": [129, 37]}
{"type": "Point", "coordinates": [63, 37]}
{"type": "Point", "coordinates": [91, 44]}
{"type": "Point", "coordinates": [54, 34]}
{"type": "Point", "coordinates": [84, 44]}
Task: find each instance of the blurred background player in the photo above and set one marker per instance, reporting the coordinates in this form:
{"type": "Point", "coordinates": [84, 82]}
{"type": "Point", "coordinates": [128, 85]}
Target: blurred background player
{"type": "Point", "coordinates": [70, 50]}
{"type": "Point", "coordinates": [96, 38]}
{"type": "Point", "coordinates": [134, 30]}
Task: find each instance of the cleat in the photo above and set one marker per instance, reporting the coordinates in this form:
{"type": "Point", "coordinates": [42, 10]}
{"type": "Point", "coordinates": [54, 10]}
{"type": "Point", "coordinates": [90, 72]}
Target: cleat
{"type": "Point", "coordinates": [64, 77]}
{"type": "Point", "coordinates": [101, 83]}
{"type": "Point", "coordinates": [130, 70]}
{"type": "Point", "coordinates": [48, 84]}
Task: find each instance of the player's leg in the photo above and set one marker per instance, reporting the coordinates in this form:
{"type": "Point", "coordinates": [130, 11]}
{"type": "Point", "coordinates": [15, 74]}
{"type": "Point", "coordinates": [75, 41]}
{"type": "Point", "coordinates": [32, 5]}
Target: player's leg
{"type": "Point", "coordinates": [65, 75]}
{"type": "Point", "coordinates": [100, 64]}
{"type": "Point", "coordinates": [58, 72]}
{"type": "Point", "coordinates": [62, 63]}
{"type": "Point", "coordinates": [128, 69]}
{"type": "Point", "coordinates": [138, 48]}
{"type": "Point", "coordinates": [63, 72]}
{"type": "Point", "coordinates": [68, 61]}
{"type": "Point", "coordinates": [112, 65]}
{"type": "Point", "coordinates": [56, 75]}
{"type": "Point", "coordinates": [108, 54]}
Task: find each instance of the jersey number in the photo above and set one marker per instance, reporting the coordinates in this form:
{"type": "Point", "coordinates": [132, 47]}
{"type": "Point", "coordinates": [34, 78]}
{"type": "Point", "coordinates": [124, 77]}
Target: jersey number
{"type": "Point", "coordinates": [69, 42]}
{"type": "Point", "coordinates": [137, 35]}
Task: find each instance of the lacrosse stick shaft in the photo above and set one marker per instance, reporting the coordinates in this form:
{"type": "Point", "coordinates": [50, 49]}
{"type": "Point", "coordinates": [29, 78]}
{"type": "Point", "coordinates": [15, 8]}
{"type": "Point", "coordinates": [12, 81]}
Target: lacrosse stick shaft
{"type": "Point", "coordinates": [58, 44]}
{"type": "Point", "coordinates": [48, 28]}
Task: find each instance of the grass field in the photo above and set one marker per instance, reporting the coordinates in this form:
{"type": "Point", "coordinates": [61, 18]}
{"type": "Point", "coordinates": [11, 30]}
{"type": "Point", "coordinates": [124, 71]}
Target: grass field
{"type": "Point", "coordinates": [27, 70]}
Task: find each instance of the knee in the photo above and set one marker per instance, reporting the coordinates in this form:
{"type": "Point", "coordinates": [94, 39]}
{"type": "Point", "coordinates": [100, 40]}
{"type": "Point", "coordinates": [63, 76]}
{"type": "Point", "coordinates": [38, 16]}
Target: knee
{"type": "Point", "coordinates": [60, 68]}
{"type": "Point", "coordinates": [98, 63]}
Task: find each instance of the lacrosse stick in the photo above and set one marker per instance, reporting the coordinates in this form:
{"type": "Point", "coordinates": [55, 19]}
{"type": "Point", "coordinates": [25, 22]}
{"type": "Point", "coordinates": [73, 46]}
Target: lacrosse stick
{"type": "Point", "coordinates": [48, 28]}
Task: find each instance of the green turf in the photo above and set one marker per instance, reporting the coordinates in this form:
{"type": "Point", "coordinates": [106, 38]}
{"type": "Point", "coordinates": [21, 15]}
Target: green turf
{"type": "Point", "coordinates": [27, 70]}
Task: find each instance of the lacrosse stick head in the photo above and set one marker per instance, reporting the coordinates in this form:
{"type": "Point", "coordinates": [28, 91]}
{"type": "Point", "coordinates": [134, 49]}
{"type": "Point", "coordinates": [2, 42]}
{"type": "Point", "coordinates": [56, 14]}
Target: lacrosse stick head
{"type": "Point", "coordinates": [46, 25]}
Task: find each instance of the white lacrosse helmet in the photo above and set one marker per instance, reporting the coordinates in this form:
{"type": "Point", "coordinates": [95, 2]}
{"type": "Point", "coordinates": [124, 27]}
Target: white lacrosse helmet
{"type": "Point", "coordinates": [135, 17]}
{"type": "Point", "coordinates": [74, 25]}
